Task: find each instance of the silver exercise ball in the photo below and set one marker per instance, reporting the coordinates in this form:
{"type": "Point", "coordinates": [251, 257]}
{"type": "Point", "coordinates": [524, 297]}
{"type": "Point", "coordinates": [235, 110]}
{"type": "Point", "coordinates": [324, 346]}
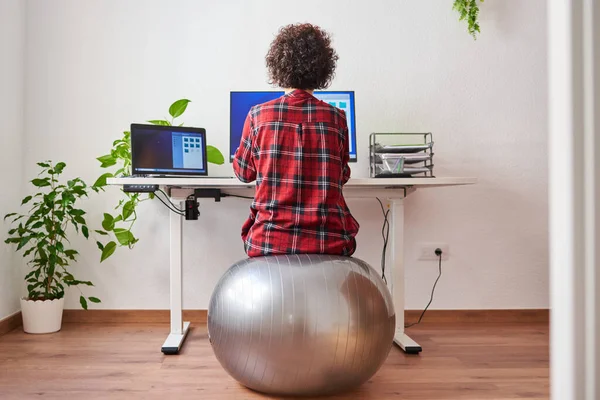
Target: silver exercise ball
{"type": "Point", "coordinates": [301, 324]}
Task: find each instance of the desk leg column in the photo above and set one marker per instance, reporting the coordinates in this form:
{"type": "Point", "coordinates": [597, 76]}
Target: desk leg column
{"type": "Point", "coordinates": [179, 329]}
{"type": "Point", "coordinates": [396, 262]}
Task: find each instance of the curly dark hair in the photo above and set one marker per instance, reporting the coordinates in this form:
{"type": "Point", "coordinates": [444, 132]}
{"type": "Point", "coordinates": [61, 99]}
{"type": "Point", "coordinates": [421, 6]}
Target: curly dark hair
{"type": "Point", "coordinates": [301, 57]}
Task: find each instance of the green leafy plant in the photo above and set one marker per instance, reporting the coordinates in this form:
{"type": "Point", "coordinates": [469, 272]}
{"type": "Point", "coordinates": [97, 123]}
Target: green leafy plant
{"type": "Point", "coordinates": [469, 11]}
{"type": "Point", "coordinates": [42, 233]}
{"type": "Point", "coordinates": [117, 227]}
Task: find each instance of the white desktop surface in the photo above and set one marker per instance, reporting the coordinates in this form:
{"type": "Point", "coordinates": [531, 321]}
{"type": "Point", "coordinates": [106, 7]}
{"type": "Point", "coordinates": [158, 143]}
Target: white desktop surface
{"type": "Point", "coordinates": [353, 183]}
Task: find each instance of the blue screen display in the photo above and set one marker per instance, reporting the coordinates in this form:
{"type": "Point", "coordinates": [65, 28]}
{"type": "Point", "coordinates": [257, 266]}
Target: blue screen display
{"type": "Point", "coordinates": [242, 102]}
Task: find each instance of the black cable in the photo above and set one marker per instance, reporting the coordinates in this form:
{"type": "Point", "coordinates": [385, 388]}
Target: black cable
{"type": "Point", "coordinates": [174, 209]}
{"type": "Point", "coordinates": [432, 292]}
{"type": "Point", "coordinates": [385, 234]}
{"type": "Point", "coordinates": [235, 195]}
{"type": "Point", "coordinates": [169, 200]}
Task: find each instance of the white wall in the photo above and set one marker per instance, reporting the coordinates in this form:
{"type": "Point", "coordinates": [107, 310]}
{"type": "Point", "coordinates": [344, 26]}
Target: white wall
{"type": "Point", "coordinates": [12, 45]}
{"type": "Point", "coordinates": [96, 66]}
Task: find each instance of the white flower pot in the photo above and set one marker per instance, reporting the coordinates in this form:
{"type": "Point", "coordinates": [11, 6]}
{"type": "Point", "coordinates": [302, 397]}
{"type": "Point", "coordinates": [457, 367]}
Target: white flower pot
{"type": "Point", "coordinates": [42, 316]}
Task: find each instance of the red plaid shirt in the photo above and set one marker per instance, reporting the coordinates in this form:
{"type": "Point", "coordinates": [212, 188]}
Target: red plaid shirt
{"type": "Point", "coordinates": [296, 148]}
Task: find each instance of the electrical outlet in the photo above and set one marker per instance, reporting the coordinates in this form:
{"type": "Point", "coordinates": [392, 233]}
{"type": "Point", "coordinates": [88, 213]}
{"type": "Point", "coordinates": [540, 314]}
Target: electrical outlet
{"type": "Point", "coordinates": [426, 251]}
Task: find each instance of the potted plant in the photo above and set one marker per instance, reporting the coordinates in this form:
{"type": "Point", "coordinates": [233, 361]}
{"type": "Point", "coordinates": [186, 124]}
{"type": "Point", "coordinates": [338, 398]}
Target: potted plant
{"type": "Point", "coordinates": [42, 235]}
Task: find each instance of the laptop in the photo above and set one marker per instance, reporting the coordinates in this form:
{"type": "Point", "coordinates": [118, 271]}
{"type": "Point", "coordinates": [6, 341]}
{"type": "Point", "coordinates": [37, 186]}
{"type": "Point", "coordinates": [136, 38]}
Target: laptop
{"type": "Point", "coordinates": [168, 151]}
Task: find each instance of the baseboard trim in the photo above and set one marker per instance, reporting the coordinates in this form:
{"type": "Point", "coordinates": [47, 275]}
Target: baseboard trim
{"type": "Point", "coordinates": [478, 316]}
{"type": "Point", "coordinates": [200, 316]}
{"type": "Point", "coordinates": [131, 316]}
{"type": "Point", "coordinates": [10, 323]}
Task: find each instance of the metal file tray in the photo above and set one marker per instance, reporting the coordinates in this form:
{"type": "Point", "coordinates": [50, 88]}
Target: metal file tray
{"type": "Point", "coordinates": [392, 162]}
{"type": "Point", "coordinates": [403, 148]}
{"type": "Point", "coordinates": [406, 171]}
{"type": "Point", "coordinates": [409, 158]}
{"type": "Point", "coordinates": [401, 155]}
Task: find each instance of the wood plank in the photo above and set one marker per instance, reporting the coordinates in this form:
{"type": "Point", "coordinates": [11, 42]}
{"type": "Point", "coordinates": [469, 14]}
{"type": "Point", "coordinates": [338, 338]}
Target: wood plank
{"type": "Point", "coordinates": [11, 322]}
{"type": "Point", "coordinates": [200, 316]}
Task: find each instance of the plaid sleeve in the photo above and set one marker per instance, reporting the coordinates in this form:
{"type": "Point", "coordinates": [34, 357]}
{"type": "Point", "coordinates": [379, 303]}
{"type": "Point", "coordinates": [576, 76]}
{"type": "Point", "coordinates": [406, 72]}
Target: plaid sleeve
{"type": "Point", "coordinates": [345, 149]}
{"type": "Point", "coordinates": [243, 161]}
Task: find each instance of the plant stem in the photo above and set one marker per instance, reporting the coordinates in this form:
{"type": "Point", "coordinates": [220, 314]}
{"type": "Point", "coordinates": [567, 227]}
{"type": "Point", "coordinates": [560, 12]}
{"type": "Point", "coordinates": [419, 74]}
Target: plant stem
{"type": "Point", "coordinates": [53, 234]}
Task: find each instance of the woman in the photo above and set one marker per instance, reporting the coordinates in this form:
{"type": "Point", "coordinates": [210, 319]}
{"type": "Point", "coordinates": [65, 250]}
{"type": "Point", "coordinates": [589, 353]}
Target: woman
{"type": "Point", "coordinates": [296, 148]}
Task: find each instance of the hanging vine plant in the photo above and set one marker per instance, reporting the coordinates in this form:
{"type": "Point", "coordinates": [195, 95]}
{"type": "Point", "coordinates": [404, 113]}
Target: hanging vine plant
{"type": "Point", "coordinates": [469, 11]}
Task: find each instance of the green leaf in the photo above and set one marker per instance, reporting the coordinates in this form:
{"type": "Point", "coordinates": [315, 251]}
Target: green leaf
{"type": "Point", "coordinates": [128, 209]}
{"type": "Point", "coordinates": [151, 196]}
{"type": "Point", "coordinates": [37, 225]}
{"type": "Point", "coordinates": [214, 155]}
{"type": "Point", "coordinates": [23, 242]}
{"type": "Point", "coordinates": [79, 220]}
{"type": "Point", "coordinates": [107, 161]}
{"type": "Point", "coordinates": [44, 165]}
{"type": "Point", "coordinates": [124, 236]}
{"type": "Point", "coordinates": [105, 158]}
{"type": "Point", "coordinates": [101, 181]}
{"type": "Point", "coordinates": [76, 211]}
{"type": "Point", "coordinates": [9, 215]}
{"type": "Point", "coordinates": [119, 172]}
{"type": "Point", "coordinates": [51, 269]}
{"type": "Point", "coordinates": [108, 250]}
{"type": "Point", "coordinates": [100, 245]}
{"type": "Point", "coordinates": [178, 107]}
{"type": "Point", "coordinates": [161, 122]}
{"type": "Point", "coordinates": [99, 232]}
{"type": "Point", "coordinates": [84, 230]}
{"type": "Point", "coordinates": [108, 223]}
{"type": "Point", "coordinates": [83, 302]}
{"type": "Point", "coordinates": [58, 168]}
{"type": "Point", "coordinates": [43, 255]}
{"type": "Point", "coordinates": [28, 252]}
{"type": "Point", "coordinates": [41, 182]}
{"type": "Point", "coordinates": [26, 200]}
{"type": "Point", "coordinates": [71, 254]}
{"type": "Point", "coordinates": [94, 299]}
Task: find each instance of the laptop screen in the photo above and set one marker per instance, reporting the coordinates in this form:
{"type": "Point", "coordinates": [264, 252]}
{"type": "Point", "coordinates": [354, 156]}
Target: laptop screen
{"type": "Point", "coordinates": [242, 102]}
{"type": "Point", "coordinates": [168, 150]}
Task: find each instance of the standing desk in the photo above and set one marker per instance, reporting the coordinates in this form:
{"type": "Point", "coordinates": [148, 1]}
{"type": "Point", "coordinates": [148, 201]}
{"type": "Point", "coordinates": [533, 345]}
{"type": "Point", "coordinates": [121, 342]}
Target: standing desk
{"type": "Point", "coordinates": [393, 190]}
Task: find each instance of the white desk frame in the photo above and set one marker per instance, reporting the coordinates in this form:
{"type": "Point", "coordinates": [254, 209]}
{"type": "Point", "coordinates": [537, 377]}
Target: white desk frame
{"type": "Point", "coordinates": [393, 190]}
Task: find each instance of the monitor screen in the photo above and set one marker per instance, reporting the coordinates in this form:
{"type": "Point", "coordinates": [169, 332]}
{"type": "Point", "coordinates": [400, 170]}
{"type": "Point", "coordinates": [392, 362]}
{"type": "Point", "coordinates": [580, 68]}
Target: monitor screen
{"type": "Point", "coordinates": [168, 150]}
{"type": "Point", "coordinates": [242, 102]}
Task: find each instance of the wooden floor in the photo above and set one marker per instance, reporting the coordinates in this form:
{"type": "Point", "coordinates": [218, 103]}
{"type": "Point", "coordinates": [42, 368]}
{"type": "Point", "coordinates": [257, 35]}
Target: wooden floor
{"type": "Point", "coordinates": [93, 361]}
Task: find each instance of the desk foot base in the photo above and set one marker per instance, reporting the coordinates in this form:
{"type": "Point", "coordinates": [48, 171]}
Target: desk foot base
{"type": "Point", "coordinates": [175, 340]}
{"type": "Point", "coordinates": [407, 344]}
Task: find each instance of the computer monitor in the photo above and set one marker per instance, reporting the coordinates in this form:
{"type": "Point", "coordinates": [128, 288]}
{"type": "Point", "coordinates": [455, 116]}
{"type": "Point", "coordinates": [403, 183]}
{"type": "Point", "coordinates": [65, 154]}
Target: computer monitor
{"type": "Point", "coordinates": [242, 102]}
{"type": "Point", "coordinates": [168, 150]}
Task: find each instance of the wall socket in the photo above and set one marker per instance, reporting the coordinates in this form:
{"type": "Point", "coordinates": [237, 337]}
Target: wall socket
{"type": "Point", "coordinates": [426, 251]}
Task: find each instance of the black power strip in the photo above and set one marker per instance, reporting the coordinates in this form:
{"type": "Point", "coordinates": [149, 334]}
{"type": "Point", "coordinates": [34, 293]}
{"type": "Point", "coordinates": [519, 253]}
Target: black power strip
{"type": "Point", "coordinates": [140, 188]}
